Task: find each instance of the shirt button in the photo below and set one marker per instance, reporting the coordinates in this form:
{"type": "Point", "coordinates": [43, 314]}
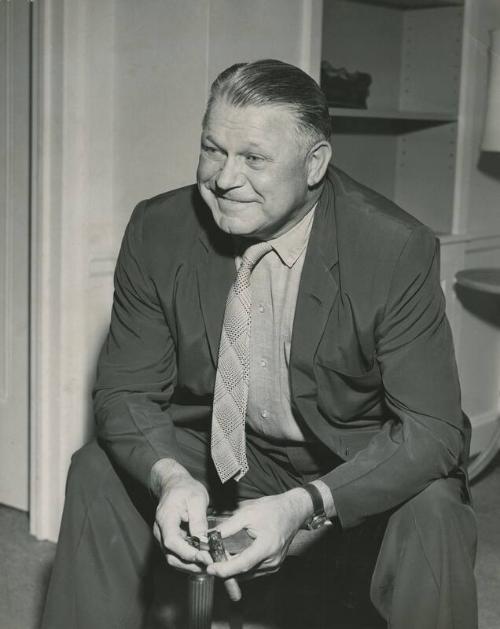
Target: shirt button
{"type": "Point", "coordinates": [263, 362]}
{"type": "Point", "coordinates": [261, 307]}
{"type": "Point", "coordinates": [264, 414]}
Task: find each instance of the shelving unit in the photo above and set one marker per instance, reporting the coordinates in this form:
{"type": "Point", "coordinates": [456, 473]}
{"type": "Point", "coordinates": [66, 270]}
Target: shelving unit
{"type": "Point", "coordinates": [404, 143]}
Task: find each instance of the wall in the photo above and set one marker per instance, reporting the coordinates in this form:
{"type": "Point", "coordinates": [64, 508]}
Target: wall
{"type": "Point", "coordinates": [120, 88]}
{"type": "Point", "coordinates": [477, 225]}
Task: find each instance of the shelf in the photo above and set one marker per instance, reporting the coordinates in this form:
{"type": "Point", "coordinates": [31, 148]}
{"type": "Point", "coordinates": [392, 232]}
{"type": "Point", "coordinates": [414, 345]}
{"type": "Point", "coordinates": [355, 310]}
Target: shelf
{"type": "Point", "coordinates": [393, 114]}
{"type": "Point", "coordinates": [411, 4]}
{"type": "Point", "coordinates": [486, 280]}
{"type": "Point", "coordinates": [385, 122]}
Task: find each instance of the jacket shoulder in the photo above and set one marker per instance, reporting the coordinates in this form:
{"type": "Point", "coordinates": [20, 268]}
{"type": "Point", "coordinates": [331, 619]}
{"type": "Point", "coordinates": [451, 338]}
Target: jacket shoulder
{"type": "Point", "coordinates": [371, 225]}
{"type": "Point", "coordinates": [166, 216]}
{"type": "Point", "coordinates": [378, 244]}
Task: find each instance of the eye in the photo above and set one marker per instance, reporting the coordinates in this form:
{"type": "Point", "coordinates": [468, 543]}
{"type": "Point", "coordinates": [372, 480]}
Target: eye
{"type": "Point", "coordinates": [254, 160]}
{"type": "Point", "coordinates": [210, 150]}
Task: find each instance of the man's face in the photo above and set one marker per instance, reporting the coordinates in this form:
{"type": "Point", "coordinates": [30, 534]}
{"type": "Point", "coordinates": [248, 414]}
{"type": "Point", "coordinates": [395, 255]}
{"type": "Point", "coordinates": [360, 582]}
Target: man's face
{"type": "Point", "coordinates": [252, 171]}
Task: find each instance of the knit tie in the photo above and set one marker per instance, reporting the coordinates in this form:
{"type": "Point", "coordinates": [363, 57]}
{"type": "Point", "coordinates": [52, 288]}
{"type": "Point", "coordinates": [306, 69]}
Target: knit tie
{"type": "Point", "coordinates": [233, 370]}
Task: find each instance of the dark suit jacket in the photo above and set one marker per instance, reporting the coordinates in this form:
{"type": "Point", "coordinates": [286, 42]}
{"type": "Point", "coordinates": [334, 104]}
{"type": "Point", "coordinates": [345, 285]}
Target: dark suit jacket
{"type": "Point", "coordinates": [372, 367]}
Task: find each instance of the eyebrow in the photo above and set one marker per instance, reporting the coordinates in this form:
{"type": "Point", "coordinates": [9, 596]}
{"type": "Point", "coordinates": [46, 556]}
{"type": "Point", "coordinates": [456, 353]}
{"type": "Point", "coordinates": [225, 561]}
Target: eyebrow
{"type": "Point", "coordinates": [258, 147]}
{"type": "Point", "coordinates": [250, 145]}
{"type": "Point", "coordinates": [209, 138]}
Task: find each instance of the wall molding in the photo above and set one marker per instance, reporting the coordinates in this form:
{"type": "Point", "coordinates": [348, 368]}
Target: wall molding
{"type": "Point", "coordinates": [465, 131]}
{"type": "Point", "coordinates": [447, 240]}
{"type": "Point", "coordinates": [483, 243]}
{"type": "Point", "coordinates": [59, 254]}
{"type": "Point", "coordinates": [311, 36]}
{"type": "Point", "coordinates": [45, 289]}
{"type": "Point", "coordinates": [102, 266]}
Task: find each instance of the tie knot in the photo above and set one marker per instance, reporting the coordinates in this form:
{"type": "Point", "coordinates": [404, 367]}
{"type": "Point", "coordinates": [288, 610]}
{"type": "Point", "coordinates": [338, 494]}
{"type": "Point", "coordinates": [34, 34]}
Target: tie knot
{"type": "Point", "coordinates": [254, 253]}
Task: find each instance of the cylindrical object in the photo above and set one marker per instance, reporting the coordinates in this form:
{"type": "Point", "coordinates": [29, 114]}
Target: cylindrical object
{"type": "Point", "coordinates": [200, 601]}
{"type": "Point", "coordinates": [233, 589]}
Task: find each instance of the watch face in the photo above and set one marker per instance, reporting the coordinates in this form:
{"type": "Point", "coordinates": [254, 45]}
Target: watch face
{"type": "Point", "coordinates": [317, 521]}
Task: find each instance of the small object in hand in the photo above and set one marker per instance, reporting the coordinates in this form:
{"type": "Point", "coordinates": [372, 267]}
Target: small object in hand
{"type": "Point", "coordinates": [216, 546]}
{"type": "Point", "coordinates": [218, 553]}
{"type": "Point", "coordinates": [193, 541]}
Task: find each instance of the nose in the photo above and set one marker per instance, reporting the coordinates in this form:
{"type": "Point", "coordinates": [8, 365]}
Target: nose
{"type": "Point", "coordinates": [229, 175]}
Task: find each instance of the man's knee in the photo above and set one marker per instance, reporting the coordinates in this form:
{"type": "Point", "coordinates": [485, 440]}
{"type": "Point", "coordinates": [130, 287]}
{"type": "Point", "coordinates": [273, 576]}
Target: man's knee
{"type": "Point", "coordinates": [440, 500]}
{"type": "Point", "coordinates": [441, 511]}
{"type": "Point", "coordinates": [429, 544]}
{"type": "Point", "coordinates": [89, 468]}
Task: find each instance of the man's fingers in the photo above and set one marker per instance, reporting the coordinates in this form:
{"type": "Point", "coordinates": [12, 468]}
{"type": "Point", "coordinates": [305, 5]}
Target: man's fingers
{"type": "Point", "coordinates": [262, 570]}
{"type": "Point", "coordinates": [204, 557]}
{"type": "Point", "coordinates": [180, 547]}
{"type": "Point", "coordinates": [197, 518]}
{"type": "Point", "coordinates": [232, 525]}
{"type": "Point", "coordinates": [185, 566]}
{"type": "Point", "coordinates": [173, 538]}
{"type": "Point", "coordinates": [157, 533]}
{"type": "Point", "coordinates": [239, 564]}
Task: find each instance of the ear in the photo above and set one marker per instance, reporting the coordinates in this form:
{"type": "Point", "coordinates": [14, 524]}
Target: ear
{"type": "Point", "coordinates": [318, 158]}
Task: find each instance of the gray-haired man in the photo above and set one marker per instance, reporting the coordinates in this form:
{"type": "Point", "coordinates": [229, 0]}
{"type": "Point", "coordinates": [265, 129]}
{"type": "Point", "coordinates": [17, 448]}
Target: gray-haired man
{"type": "Point", "coordinates": [278, 341]}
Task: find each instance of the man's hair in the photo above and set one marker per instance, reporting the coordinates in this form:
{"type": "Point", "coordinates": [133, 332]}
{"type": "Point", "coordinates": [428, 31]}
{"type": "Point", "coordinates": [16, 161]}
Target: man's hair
{"type": "Point", "coordinates": [273, 82]}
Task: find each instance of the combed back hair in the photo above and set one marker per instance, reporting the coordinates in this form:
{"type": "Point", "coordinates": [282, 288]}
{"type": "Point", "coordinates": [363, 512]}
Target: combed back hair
{"type": "Point", "coordinates": [273, 82]}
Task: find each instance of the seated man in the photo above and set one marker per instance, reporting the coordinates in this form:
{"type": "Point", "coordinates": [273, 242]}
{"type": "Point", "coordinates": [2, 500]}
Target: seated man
{"type": "Point", "coordinates": [278, 334]}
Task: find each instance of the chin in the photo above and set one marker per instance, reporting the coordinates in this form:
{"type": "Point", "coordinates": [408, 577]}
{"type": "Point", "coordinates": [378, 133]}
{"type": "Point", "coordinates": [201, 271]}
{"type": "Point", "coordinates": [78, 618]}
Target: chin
{"type": "Point", "coordinates": [235, 227]}
{"type": "Point", "coordinates": [233, 224]}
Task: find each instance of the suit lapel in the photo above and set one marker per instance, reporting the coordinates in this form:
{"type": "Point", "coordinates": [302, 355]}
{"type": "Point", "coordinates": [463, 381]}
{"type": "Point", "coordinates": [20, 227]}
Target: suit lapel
{"type": "Point", "coordinates": [216, 272]}
{"type": "Point", "coordinates": [318, 292]}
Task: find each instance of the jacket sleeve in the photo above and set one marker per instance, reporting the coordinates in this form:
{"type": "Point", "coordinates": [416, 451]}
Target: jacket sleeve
{"type": "Point", "coordinates": [136, 370]}
{"type": "Point", "coordinates": [425, 437]}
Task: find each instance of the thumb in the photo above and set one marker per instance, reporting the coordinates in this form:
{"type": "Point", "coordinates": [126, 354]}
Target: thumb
{"type": "Point", "coordinates": [232, 525]}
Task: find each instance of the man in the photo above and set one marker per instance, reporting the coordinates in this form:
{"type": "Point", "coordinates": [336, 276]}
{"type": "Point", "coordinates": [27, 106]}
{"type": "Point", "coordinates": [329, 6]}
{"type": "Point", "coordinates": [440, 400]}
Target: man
{"type": "Point", "coordinates": [278, 334]}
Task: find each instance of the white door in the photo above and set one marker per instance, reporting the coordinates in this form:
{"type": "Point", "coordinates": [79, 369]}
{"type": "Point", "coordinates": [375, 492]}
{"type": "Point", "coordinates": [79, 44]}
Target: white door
{"type": "Point", "coordinates": [14, 260]}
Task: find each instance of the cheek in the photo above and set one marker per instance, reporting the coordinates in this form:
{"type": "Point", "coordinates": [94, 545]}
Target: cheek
{"type": "Point", "coordinates": [262, 184]}
{"type": "Point", "coordinates": [205, 169]}
{"type": "Point", "coordinates": [279, 196]}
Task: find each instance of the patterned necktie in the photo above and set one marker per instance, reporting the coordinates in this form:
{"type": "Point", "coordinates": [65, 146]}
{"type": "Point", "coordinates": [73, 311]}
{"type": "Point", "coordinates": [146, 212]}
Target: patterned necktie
{"type": "Point", "coordinates": [233, 369]}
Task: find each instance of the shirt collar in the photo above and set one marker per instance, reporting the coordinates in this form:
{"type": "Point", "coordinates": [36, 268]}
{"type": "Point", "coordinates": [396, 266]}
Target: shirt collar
{"type": "Point", "coordinates": [292, 243]}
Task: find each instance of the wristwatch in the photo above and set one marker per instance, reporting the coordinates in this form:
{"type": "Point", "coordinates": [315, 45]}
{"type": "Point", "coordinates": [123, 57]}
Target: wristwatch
{"type": "Point", "coordinates": [318, 518]}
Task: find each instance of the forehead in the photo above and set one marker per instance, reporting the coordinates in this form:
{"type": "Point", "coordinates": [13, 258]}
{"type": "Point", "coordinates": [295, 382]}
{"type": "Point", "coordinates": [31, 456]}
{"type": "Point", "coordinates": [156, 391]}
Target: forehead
{"type": "Point", "coordinates": [257, 124]}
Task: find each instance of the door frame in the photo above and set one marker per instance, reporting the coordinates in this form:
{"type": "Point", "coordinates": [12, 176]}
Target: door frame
{"type": "Point", "coordinates": [58, 250]}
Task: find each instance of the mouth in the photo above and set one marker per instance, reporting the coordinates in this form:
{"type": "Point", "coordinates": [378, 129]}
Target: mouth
{"type": "Point", "coordinates": [222, 197]}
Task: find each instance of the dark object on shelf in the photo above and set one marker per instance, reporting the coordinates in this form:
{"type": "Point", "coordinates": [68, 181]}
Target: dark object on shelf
{"type": "Point", "coordinates": [343, 88]}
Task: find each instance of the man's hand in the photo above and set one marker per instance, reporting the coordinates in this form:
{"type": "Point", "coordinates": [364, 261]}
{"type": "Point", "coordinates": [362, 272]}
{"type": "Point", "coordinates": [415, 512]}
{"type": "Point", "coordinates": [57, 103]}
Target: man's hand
{"type": "Point", "coordinates": [182, 500]}
{"type": "Point", "coordinates": [272, 522]}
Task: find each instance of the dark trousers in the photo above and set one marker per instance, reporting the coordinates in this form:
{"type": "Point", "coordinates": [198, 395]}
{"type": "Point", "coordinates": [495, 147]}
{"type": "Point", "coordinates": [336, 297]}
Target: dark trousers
{"type": "Point", "coordinates": [420, 556]}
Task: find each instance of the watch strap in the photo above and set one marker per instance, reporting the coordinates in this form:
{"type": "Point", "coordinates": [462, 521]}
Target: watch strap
{"type": "Point", "coordinates": [318, 517]}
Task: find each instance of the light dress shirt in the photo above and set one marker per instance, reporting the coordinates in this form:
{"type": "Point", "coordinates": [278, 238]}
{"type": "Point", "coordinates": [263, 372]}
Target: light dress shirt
{"type": "Point", "coordinates": [274, 285]}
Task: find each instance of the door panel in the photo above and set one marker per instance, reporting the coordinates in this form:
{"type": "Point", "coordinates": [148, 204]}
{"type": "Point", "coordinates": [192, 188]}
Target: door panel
{"type": "Point", "coordinates": [14, 257]}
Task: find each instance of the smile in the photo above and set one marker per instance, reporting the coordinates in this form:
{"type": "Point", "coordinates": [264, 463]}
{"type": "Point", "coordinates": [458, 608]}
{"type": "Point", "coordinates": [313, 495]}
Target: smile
{"type": "Point", "coordinates": [230, 200]}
